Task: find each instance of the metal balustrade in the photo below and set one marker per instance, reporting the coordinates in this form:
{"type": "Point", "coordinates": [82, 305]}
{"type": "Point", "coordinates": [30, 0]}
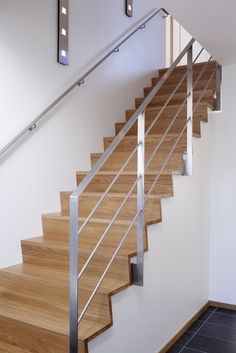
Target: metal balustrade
{"type": "Point", "coordinates": [137, 118]}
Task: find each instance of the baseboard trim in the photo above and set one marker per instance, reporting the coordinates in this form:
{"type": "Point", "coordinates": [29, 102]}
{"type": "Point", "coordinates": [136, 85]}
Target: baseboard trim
{"type": "Point", "coordinates": [185, 328]}
{"type": "Point", "coordinates": [222, 305]}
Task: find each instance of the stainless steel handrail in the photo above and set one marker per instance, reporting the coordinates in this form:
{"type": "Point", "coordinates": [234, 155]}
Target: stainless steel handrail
{"type": "Point", "coordinates": [33, 124]}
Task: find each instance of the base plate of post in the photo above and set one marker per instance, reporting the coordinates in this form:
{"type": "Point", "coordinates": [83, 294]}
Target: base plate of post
{"type": "Point", "coordinates": [137, 277]}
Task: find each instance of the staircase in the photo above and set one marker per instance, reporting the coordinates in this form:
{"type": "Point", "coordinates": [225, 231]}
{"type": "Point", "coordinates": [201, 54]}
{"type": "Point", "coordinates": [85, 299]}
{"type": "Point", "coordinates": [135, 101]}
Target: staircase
{"type": "Point", "coordinates": [34, 295]}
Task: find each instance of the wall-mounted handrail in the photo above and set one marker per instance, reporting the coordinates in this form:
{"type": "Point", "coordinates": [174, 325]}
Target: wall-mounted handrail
{"type": "Point", "coordinates": [33, 124]}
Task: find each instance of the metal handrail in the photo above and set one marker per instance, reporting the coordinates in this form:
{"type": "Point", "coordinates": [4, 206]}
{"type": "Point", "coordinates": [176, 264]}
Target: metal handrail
{"type": "Point", "coordinates": [33, 124]}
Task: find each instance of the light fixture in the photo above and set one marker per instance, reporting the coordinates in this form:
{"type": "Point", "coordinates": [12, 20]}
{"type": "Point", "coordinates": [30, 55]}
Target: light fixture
{"type": "Point", "coordinates": [129, 8]}
{"type": "Point", "coordinates": [63, 24]}
{"type": "Point", "coordinates": [63, 10]}
{"type": "Point", "coordinates": [63, 31]}
{"type": "Point", "coordinates": [63, 53]}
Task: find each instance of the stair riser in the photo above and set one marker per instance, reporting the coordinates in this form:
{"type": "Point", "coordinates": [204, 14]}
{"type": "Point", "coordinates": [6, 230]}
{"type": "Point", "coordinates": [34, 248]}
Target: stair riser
{"type": "Point", "coordinates": [55, 294]}
{"type": "Point", "coordinates": [100, 183]}
{"type": "Point", "coordinates": [130, 142]}
{"type": "Point", "coordinates": [60, 260]}
{"type": "Point", "coordinates": [110, 205]}
{"type": "Point", "coordinates": [177, 75]}
{"type": "Point", "coordinates": [60, 227]}
{"type": "Point", "coordinates": [169, 88]}
{"type": "Point", "coordinates": [158, 101]}
{"type": "Point", "coordinates": [161, 126]}
{"type": "Point", "coordinates": [174, 165]}
{"type": "Point", "coordinates": [23, 335]}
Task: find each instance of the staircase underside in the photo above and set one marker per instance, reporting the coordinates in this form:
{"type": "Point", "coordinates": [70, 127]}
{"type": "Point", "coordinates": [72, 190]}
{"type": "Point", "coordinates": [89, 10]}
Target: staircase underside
{"type": "Point", "coordinates": [34, 295]}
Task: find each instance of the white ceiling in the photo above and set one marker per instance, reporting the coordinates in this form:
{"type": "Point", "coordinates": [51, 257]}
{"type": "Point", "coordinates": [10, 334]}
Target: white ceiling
{"type": "Point", "coordinates": [211, 22]}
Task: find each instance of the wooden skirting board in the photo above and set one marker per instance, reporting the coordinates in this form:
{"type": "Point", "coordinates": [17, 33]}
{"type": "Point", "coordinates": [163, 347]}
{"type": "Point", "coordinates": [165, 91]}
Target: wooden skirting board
{"type": "Point", "coordinates": [192, 320]}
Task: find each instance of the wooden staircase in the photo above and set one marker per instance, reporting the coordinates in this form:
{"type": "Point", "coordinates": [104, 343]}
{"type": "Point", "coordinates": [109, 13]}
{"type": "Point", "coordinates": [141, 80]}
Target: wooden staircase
{"type": "Point", "coordinates": [34, 295]}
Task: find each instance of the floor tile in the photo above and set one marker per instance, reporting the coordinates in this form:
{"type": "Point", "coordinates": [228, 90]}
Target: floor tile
{"type": "Point", "coordinates": [174, 349]}
{"type": "Point", "coordinates": [205, 316]}
{"type": "Point", "coordinates": [190, 350]}
{"type": "Point", "coordinates": [196, 326]}
{"type": "Point", "coordinates": [211, 345]}
{"type": "Point", "coordinates": [184, 339]}
{"type": "Point", "coordinates": [219, 332]}
{"type": "Point", "coordinates": [222, 319]}
{"type": "Point", "coordinates": [226, 311]}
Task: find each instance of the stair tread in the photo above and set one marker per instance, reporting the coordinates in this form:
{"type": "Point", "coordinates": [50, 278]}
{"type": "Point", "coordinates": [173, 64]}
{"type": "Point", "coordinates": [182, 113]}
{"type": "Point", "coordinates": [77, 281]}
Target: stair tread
{"type": "Point", "coordinates": [60, 278]}
{"type": "Point", "coordinates": [8, 348]}
{"type": "Point", "coordinates": [44, 316]}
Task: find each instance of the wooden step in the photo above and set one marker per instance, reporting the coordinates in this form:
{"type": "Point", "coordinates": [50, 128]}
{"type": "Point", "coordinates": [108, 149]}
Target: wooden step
{"type": "Point", "coordinates": [175, 78]}
{"type": "Point", "coordinates": [170, 111]}
{"type": "Point", "coordinates": [117, 160]}
{"type": "Point", "coordinates": [170, 87]}
{"type": "Point", "coordinates": [44, 283]}
{"type": "Point", "coordinates": [178, 98]}
{"type": "Point", "coordinates": [163, 123]}
{"type": "Point", "coordinates": [196, 68]}
{"type": "Point", "coordinates": [111, 204]}
{"type": "Point", "coordinates": [22, 320]}
{"type": "Point", "coordinates": [8, 348]}
{"type": "Point", "coordinates": [129, 142]}
{"type": "Point", "coordinates": [163, 188]}
{"type": "Point", "coordinates": [45, 289]}
{"type": "Point", "coordinates": [56, 228]}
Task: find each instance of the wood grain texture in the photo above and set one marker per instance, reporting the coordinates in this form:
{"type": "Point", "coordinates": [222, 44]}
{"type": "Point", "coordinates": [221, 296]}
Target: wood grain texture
{"type": "Point", "coordinates": [34, 295]}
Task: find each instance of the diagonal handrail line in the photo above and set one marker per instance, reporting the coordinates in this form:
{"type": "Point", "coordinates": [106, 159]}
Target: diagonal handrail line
{"type": "Point", "coordinates": [109, 226]}
{"type": "Point", "coordinates": [176, 88]}
{"type": "Point", "coordinates": [129, 228]}
{"type": "Point", "coordinates": [166, 132]}
{"type": "Point", "coordinates": [78, 82]}
{"type": "Point", "coordinates": [203, 93]}
{"type": "Point", "coordinates": [135, 149]}
{"type": "Point", "coordinates": [167, 160]}
{"type": "Point", "coordinates": [85, 182]}
{"type": "Point", "coordinates": [136, 181]}
{"type": "Point", "coordinates": [108, 266]}
{"type": "Point", "coordinates": [109, 188]}
{"type": "Point", "coordinates": [178, 112]}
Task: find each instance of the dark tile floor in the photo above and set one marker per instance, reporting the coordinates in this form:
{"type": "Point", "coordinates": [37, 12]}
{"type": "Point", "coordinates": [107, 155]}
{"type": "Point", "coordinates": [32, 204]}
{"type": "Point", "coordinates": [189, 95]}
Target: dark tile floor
{"type": "Point", "coordinates": [213, 332]}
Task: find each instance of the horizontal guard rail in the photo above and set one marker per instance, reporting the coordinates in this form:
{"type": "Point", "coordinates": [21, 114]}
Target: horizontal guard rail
{"type": "Point", "coordinates": [85, 182]}
{"type": "Point", "coordinates": [33, 124]}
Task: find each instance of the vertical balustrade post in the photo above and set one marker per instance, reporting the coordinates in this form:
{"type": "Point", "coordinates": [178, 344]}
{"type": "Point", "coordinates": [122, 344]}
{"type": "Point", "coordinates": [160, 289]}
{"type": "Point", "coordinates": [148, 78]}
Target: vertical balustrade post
{"type": "Point", "coordinates": [188, 155]}
{"type": "Point", "coordinates": [138, 267]}
{"type": "Point", "coordinates": [74, 274]}
{"type": "Point", "coordinates": [217, 103]}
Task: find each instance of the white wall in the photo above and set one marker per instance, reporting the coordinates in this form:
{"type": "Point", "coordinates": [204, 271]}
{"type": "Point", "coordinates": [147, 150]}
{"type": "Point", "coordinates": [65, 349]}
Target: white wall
{"type": "Point", "coordinates": [176, 269]}
{"type": "Point", "coordinates": [223, 195]}
{"type": "Point", "coordinates": [180, 39]}
{"type": "Point", "coordinates": [211, 22]}
{"type": "Point", "coordinates": [45, 163]}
